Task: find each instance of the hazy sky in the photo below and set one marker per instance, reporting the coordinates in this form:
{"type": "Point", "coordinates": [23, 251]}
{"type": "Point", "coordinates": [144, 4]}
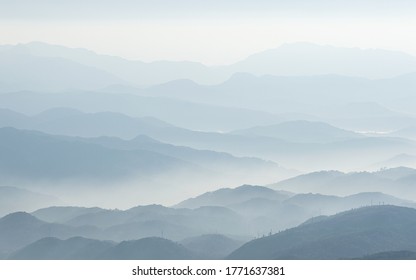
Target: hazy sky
{"type": "Point", "coordinates": [211, 32]}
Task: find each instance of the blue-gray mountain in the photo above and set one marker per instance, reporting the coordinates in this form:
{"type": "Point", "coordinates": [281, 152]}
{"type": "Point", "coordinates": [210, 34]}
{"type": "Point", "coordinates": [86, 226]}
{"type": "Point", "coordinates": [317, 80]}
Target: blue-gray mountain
{"type": "Point", "coordinates": [30, 155]}
{"type": "Point", "coordinates": [20, 229]}
{"type": "Point", "coordinates": [239, 214]}
{"type": "Point", "coordinates": [78, 248]}
{"type": "Point", "coordinates": [390, 255]}
{"type": "Point", "coordinates": [351, 234]}
{"type": "Point", "coordinates": [212, 246]}
{"type": "Point", "coordinates": [273, 91]}
{"type": "Point", "coordinates": [103, 131]}
{"type": "Point", "coordinates": [352, 103]}
{"type": "Point", "coordinates": [298, 59]}
{"type": "Point", "coordinates": [51, 248]}
{"type": "Point", "coordinates": [178, 112]}
{"type": "Point", "coordinates": [20, 70]}
{"type": "Point", "coordinates": [397, 181]}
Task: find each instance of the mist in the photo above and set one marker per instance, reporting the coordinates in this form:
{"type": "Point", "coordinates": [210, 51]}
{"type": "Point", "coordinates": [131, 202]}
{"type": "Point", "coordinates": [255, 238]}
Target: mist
{"type": "Point", "coordinates": [249, 130]}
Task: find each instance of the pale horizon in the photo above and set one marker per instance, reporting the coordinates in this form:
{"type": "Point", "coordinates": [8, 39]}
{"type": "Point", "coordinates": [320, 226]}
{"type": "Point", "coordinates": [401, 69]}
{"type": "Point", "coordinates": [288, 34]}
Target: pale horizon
{"type": "Point", "coordinates": [218, 34]}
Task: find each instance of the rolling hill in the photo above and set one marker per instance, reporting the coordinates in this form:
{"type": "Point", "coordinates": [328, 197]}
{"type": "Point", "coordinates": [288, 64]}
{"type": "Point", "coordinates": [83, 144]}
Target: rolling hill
{"type": "Point", "coordinates": [296, 59]}
{"type": "Point", "coordinates": [50, 248]}
{"type": "Point", "coordinates": [78, 248]}
{"type": "Point", "coordinates": [349, 234]}
{"type": "Point", "coordinates": [29, 155]}
{"type": "Point", "coordinates": [150, 220]}
{"type": "Point", "coordinates": [191, 115]}
{"type": "Point", "coordinates": [20, 71]}
{"type": "Point", "coordinates": [392, 255]}
{"type": "Point", "coordinates": [239, 213]}
{"type": "Point", "coordinates": [211, 246]}
{"type": "Point", "coordinates": [394, 181]}
{"type": "Point", "coordinates": [19, 229]}
{"type": "Point", "coordinates": [227, 196]}
{"type": "Point", "coordinates": [152, 248]}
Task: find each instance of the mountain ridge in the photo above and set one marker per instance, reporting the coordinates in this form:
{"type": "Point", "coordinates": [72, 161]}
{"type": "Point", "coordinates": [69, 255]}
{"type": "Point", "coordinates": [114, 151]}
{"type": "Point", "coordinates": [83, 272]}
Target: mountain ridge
{"type": "Point", "coordinates": [347, 235]}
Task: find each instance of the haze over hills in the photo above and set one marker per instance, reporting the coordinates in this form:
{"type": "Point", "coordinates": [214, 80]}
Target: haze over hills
{"type": "Point", "coordinates": [301, 59]}
{"type": "Point", "coordinates": [50, 248]}
{"type": "Point", "coordinates": [361, 233]}
{"type": "Point", "coordinates": [398, 160]}
{"type": "Point", "coordinates": [75, 170]}
{"type": "Point", "coordinates": [306, 91]}
{"type": "Point", "coordinates": [156, 220]}
{"type": "Point", "coordinates": [131, 153]}
{"type": "Point", "coordinates": [71, 122]}
{"type": "Point", "coordinates": [29, 155]}
{"type": "Point", "coordinates": [221, 217]}
{"type": "Point", "coordinates": [20, 229]}
{"type": "Point", "coordinates": [278, 70]}
{"type": "Point", "coordinates": [407, 132]}
{"type": "Point", "coordinates": [245, 168]}
{"type": "Point", "coordinates": [63, 166]}
{"type": "Point", "coordinates": [20, 71]}
{"type": "Point", "coordinates": [177, 112]}
{"type": "Point", "coordinates": [227, 196]}
{"type": "Point", "coordinates": [14, 199]}
{"type": "Point", "coordinates": [395, 181]}
{"type": "Point", "coordinates": [297, 59]}
{"type": "Point", "coordinates": [211, 246]}
{"type": "Point", "coordinates": [267, 209]}
{"type": "Point", "coordinates": [103, 145]}
{"type": "Point", "coordinates": [63, 214]}
{"type": "Point", "coordinates": [349, 234]}
{"type": "Point", "coordinates": [305, 140]}
{"type": "Point", "coordinates": [301, 131]}
{"type": "Point", "coordinates": [78, 248]}
{"type": "Point", "coordinates": [151, 248]}
{"type": "Point", "coordinates": [135, 72]}
{"type": "Point", "coordinates": [390, 255]}
{"type": "Point", "coordinates": [348, 102]}
{"type": "Point", "coordinates": [352, 103]}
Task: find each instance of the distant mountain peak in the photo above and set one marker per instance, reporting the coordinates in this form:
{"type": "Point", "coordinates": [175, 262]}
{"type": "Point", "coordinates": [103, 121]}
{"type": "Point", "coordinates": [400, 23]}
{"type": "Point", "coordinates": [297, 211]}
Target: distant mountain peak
{"type": "Point", "coordinates": [19, 218]}
{"type": "Point", "coordinates": [309, 59]}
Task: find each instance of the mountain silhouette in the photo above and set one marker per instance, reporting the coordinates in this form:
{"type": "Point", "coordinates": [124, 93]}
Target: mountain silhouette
{"type": "Point", "coordinates": [349, 234]}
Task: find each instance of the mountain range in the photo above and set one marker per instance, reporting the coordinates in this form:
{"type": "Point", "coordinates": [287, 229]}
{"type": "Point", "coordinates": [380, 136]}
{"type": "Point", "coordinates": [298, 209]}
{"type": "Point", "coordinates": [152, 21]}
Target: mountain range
{"type": "Point", "coordinates": [29, 155]}
{"type": "Point", "coordinates": [292, 144]}
{"type": "Point", "coordinates": [78, 248]}
{"type": "Point", "coordinates": [372, 232]}
{"type": "Point", "coordinates": [191, 115]}
{"type": "Point", "coordinates": [395, 181]}
{"type": "Point", "coordinates": [366, 90]}
{"type": "Point", "coordinates": [64, 167]}
{"type": "Point", "coordinates": [297, 59]}
{"type": "Point", "coordinates": [300, 152]}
